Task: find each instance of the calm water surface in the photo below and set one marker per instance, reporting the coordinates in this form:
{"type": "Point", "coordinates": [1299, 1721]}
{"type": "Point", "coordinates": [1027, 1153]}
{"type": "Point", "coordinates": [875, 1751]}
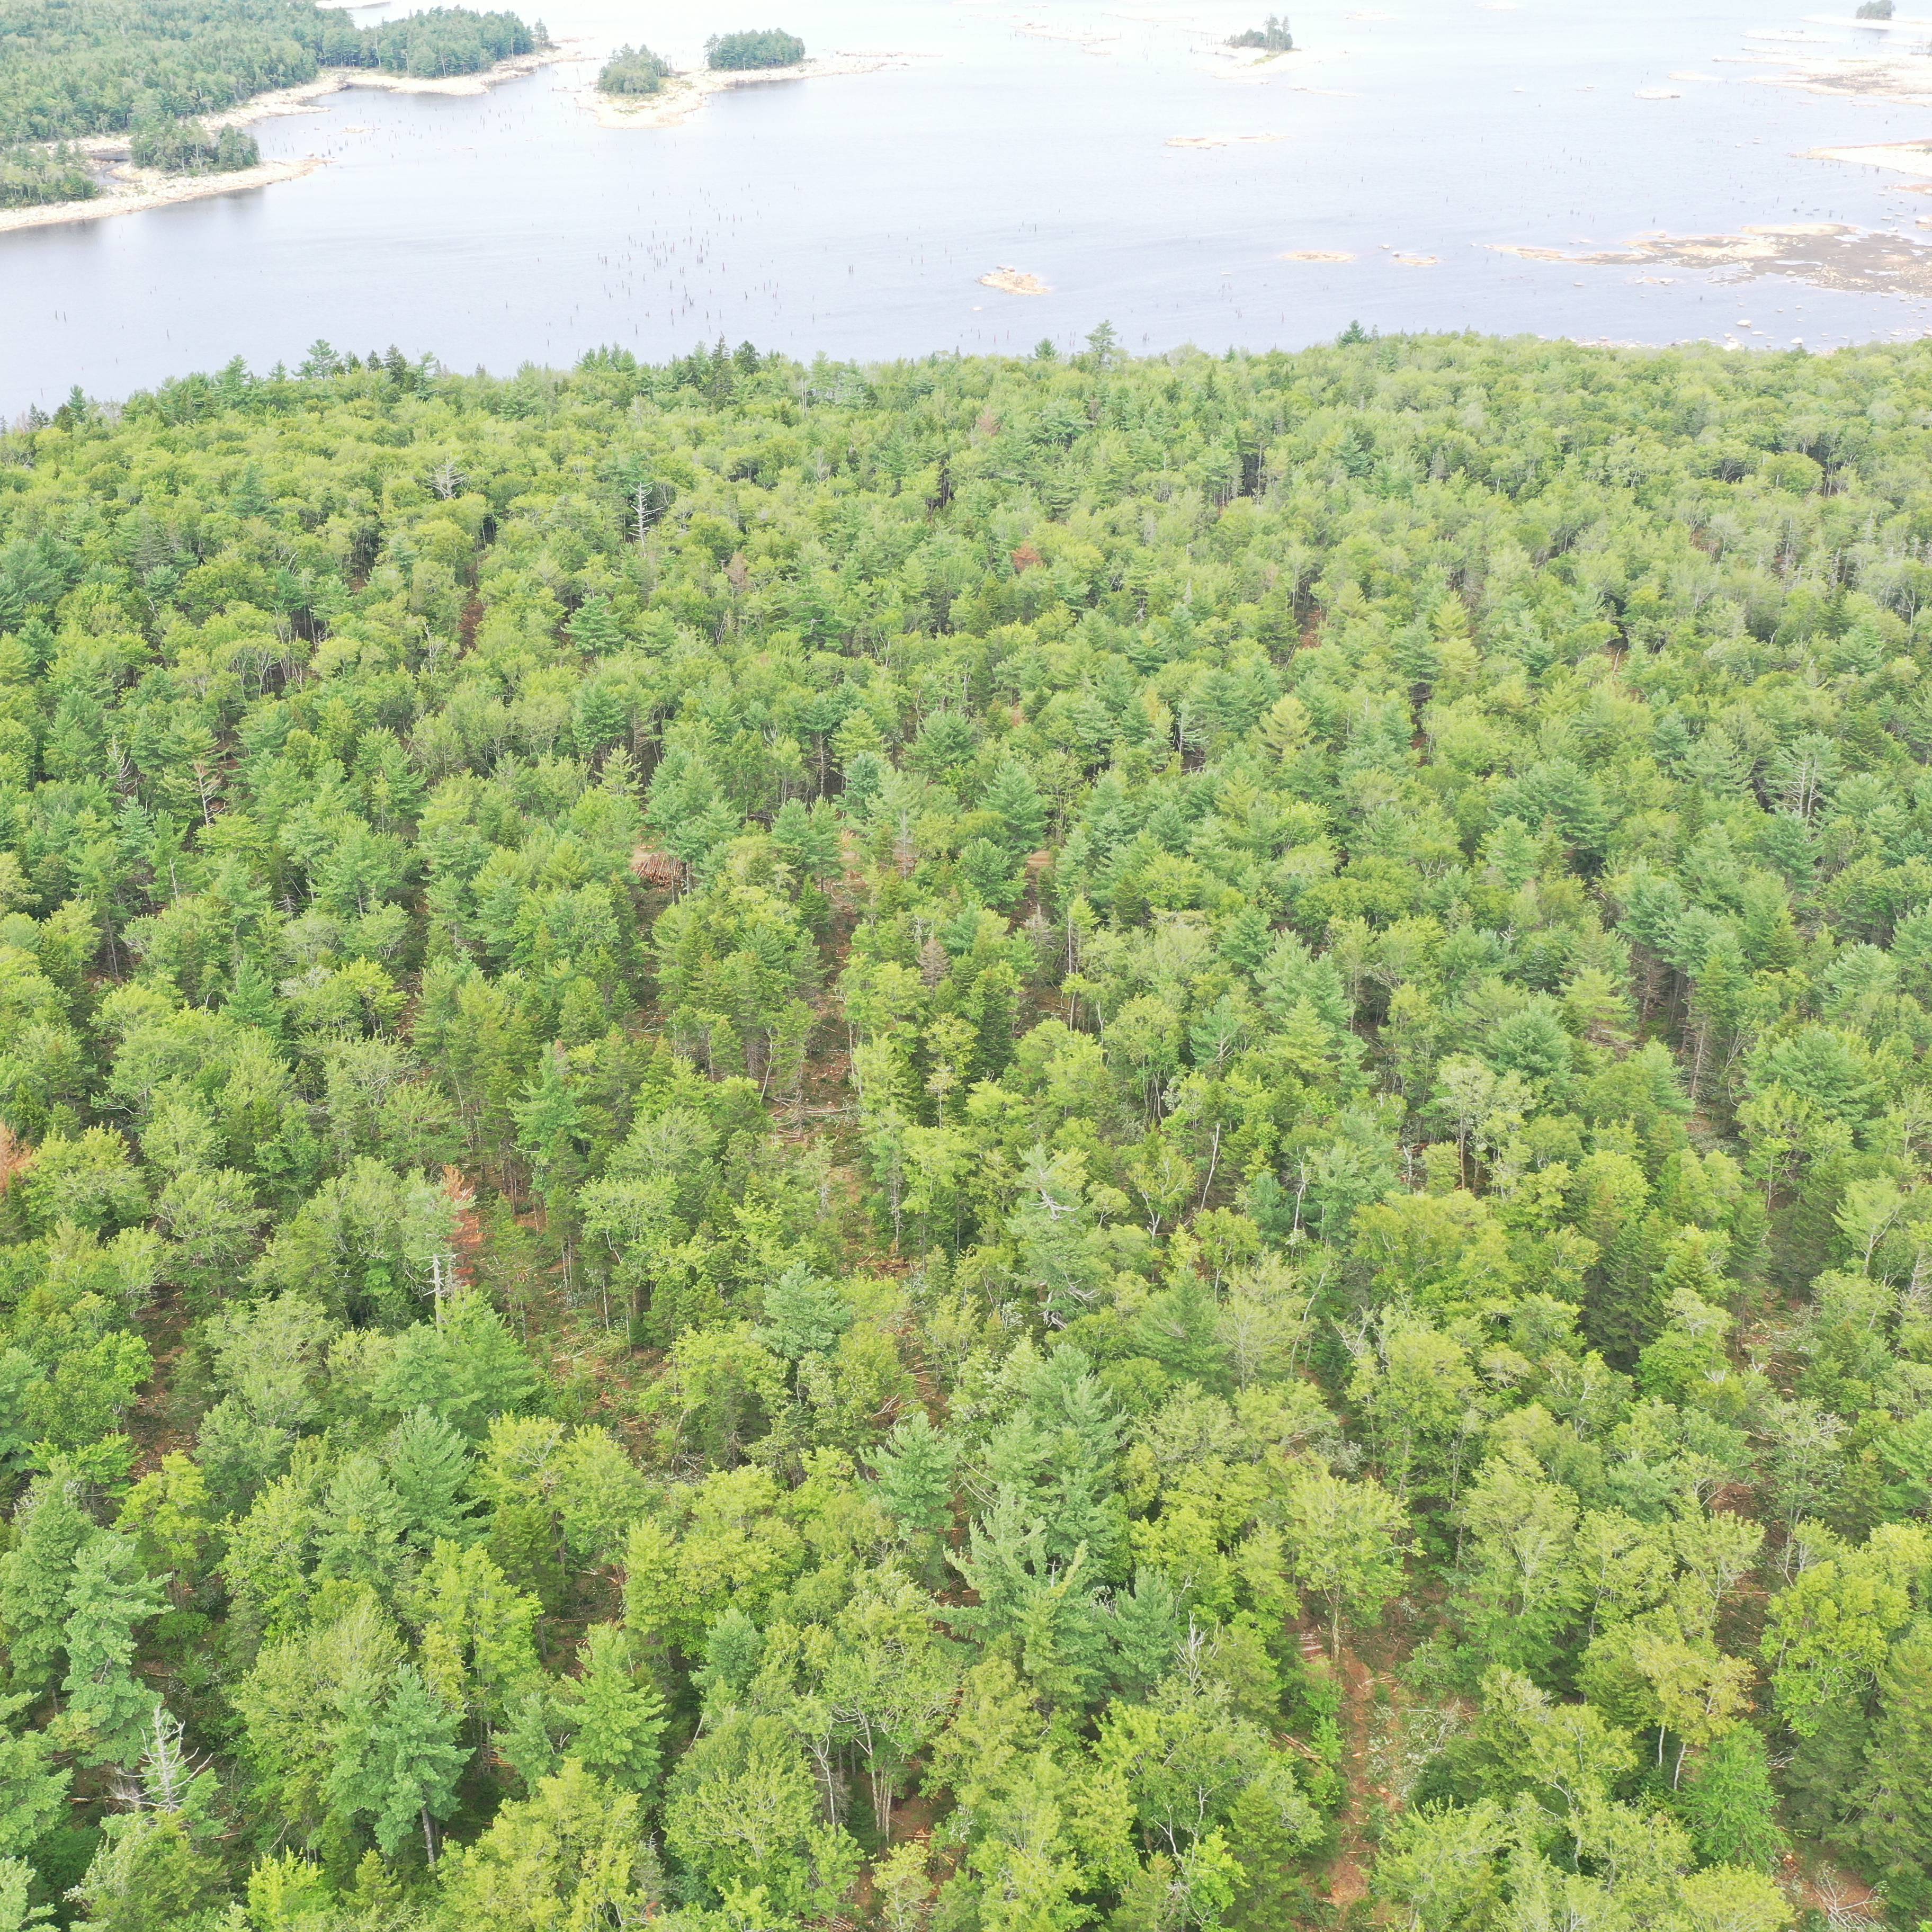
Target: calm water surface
{"type": "Point", "coordinates": [855, 215]}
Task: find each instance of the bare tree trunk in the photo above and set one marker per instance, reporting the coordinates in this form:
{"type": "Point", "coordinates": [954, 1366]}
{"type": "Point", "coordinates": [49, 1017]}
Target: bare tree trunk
{"type": "Point", "coordinates": [1213, 1162]}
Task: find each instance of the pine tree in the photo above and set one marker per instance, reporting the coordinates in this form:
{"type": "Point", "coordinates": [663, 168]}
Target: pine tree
{"type": "Point", "coordinates": [33, 1795]}
{"type": "Point", "coordinates": [398, 1763]}
{"type": "Point", "coordinates": [428, 1466]}
{"type": "Point", "coordinates": [803, 1316]}
{"type": "Point", "coordinates": [1730, 1804]}
{"type": "Point", "coordinates": [418, 1761]}
{"type": "Point", "coordinates": [915, 1471]}
{"type": "Point", "coordinates": [1895, 1823]}
{"type": "Point", "coordinates": [360, 1525]}
{"type": "Point", "coordinates": [1014, 799]}
{"type": "Point", "coordinates": [109, 1709]}
{"type": "Point", "coordinates": [733, 1648]}
{"type": "Point", "coordinates": [532, 1739]}
{"type": "Point", "coordinates": [595, 628]}
{"type": "Point", "coordinates": [619, 1716]}
{"type": "Point", "coordinates": [251, 999]}
{"type": "Point", "coordinates": [36, 1575]}
{"type": "Point", "coordinates": [1147, 1631]}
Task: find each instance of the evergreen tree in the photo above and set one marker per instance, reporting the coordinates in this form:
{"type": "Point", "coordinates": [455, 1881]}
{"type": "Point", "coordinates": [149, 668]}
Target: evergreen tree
{"type": "Point", "coordinates": [37, 1580]}
{"type": "Point", "coordinates": [33, 1791]}
{"type": "Point", "coordinates": [1894, 1803]}
{"type": "Point", "coordinates": [1730, 1803]}
{"type": "Point", "coordinates": [109, 1709]}
{"type": "Point", "coordinates": [915, 1470]}
{"type": "Point", "coordinates": [619, 1715]}
{"type": "Point", "coordinates": [427, 1464]}
{"type": "Point", "coordinates": [150, 1874]}
{"type": "Point", "coordinates": [418, 1761]}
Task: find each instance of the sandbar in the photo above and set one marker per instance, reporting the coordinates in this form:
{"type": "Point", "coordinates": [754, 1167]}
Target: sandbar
{"type": "Point", "coordinates": [1316, 255]}
{"type": "Point", "coordinates": [1897, 76]}
{"type": "Point", "coordinates": [1015, 282]}
{"type": "Point", "coordinates": [128, 190]}
{"type": "Point", "coordinates": [685, 95]}
{"type": "Point", "coordinates": [1039, 30]}
{"type": "Point", "coordinates": [1220, 140]}
{"type": "Point", "coordinates": [1903, 157]}
{"type": "Point", "coordinates": [1822, 254]}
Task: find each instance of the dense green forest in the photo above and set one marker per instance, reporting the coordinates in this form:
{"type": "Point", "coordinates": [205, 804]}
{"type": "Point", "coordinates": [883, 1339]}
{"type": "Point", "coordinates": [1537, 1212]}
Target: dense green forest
{"type": "Point", "coordinates": [191, 147]}
{"type": "Point", "coordinates": [30, 177]}
{"type": "Point", "coordinates": [768, 46]}
{"type": "Point", "coordinates": [633, 70]}
{"type": "Point", "coordinates": [995, 1145]}
{"type": "Point", "coordinates": [447, 41]}
{"type": "Point", "coordinates": [70, 68]}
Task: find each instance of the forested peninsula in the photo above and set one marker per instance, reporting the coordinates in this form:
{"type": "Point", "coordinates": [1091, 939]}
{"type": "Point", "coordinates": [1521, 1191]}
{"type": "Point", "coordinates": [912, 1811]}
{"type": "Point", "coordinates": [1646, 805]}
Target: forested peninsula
{"type": "Point", "coordinates": [145, 70]}
{"type": "Point", "coordinates": [995, 1145]}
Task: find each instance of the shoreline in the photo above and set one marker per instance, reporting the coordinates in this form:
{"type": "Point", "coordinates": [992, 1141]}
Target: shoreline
{"type": "Point", "coordinates": [128, 189]}
{"type": "Point", "coordinates": [684, 95]}
{"type": "Point", "coordinates": [141, 190]}
{"type": "Point", "coordinates": [301, 98]}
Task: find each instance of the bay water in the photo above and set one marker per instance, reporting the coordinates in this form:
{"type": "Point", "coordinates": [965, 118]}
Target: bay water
{"type": "Point", "coordinates": [855, 215]}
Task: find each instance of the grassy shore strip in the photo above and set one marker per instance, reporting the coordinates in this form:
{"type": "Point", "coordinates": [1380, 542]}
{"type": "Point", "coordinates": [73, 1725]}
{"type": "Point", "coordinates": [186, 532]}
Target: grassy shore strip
{"type": "Point", "coordinates": [684, 94]}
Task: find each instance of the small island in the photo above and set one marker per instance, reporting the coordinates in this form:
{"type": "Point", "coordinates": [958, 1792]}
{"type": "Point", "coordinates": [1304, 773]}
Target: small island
{"type": "Point", "coordinates": [633, 71]}
{"type": "Point", "coordinates": [637, 89]}
{"type": "Point", "coordinates": [1273, 38]}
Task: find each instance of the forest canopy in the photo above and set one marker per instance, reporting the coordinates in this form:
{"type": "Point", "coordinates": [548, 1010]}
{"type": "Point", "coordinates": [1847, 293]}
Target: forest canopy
{"type": "Point", "coordinates": [192, 147]}
{"type": "Point", "coordinates": [30, 177]}
{"type": "Point", "coordinates": [444, 41]}
{"type": "Point", "coordinates": [984, 1145]}
{"type": "Point", "coordinates": [770, 47]}
{"type": "Point", "coordinates": [633, 70]}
